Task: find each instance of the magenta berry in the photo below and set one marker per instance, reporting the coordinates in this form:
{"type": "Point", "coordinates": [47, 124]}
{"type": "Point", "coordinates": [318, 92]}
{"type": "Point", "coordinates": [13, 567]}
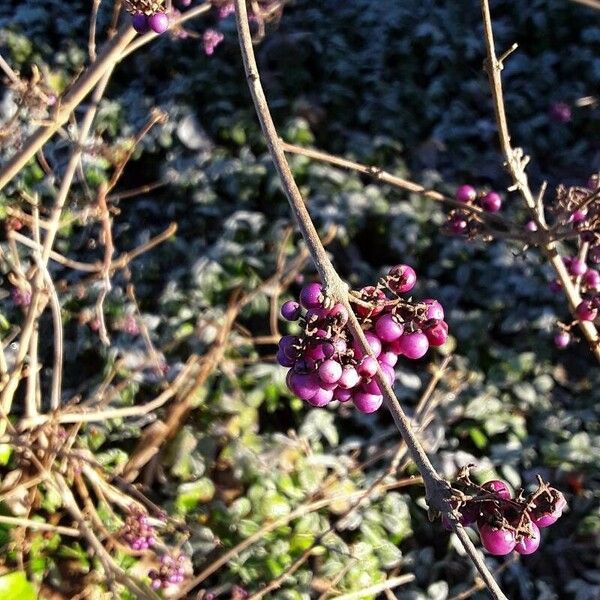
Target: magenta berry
{"type": "Point", "coordinates": [330, 371]}
{"type": "Point", "coordinates": [586, 311]}
{"type": "Point", "coordinates": [389, 358]}
{"type": "Point", "coordinates": [342, 395]}
{"type": "Point", "coordinates": [458, 225]}
{"type": "Point", "coordinates": [339, 314]}
{"type": "Point", "coordinates": [139, 22]}
{"type": "Point", "coordinates": [311, 295]}
{"type": "Point", "coordinates": [349, 378]}
{"type": "Point", "coordinates": [402, 279]}
{"type": "Point", "coordinates": [437, 334]}
{"type": "Point", "coordinates": [290, 310]}
{"type": "Point", "coordinates": [304, 385]}
{"type": "Point", "coordinates": [368, 366]}
{"type": "Point", "coordinates": [170, 572]}
{"type": "Point", "coordinates": [498, 487]}
{"type": "Point", "coordinates": [412, 345]}
{"type": "Point", "coordinates": [562, 339]}
{"type": "Point", "coordinates": [158, 22]}
{"type": "Point", "coordinates": [498, 542]}
{"type": "Point", "coordinates": [367, 403]}
{"type": "Point", "coordinates": [579, 215]}
{"type": "Point", "coordinates": [321, 398]}
{"type": "Point", "coordinates": [388, 328]}
{"type": "Point", "coordinates": [549, 508]}
{"type": "Point", "coordinates": [466, 193]}
{"type": "Point", "coordinates": [492, 202]}
{"type": "Point", "coordinates": [434, 309]}
{"type": "Point", "coordinates": [376, 299]}
{"type": "Point", "coordinates": [577, 267]}
{"type": "Point", "coordinates": [529, 544]}
{"type": "Point", "coordinates": [373, 341]}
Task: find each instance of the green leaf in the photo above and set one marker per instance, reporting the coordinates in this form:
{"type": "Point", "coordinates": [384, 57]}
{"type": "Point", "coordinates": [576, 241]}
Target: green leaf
{"type": "Point", "coordinates": [478, 437]}
{"type": "Point", "coordinates": [191, 494]}
{"type": "Point", "coordinates": [15, 585]}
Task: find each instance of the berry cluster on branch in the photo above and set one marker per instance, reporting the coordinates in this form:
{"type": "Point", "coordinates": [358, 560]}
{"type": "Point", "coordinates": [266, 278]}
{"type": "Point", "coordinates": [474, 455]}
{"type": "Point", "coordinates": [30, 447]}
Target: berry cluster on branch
{"type": "Point", "coordinates": [506, 523]}
{"type": "Point", "coordinates": [326, 363]}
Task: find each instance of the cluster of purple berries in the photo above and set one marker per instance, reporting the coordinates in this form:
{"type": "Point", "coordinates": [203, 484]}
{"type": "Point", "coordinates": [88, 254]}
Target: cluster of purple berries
{"type": "Point", "coordinates": [326, 363]}
{"type": "Point", "coordinates": [20, 297]}
{"type": "Point", "coordinates": [506, 523]}
{"type": "Point", "coordinates": [157, 22]}
{"type": "Point", "coordinates": [461, 222]}
{"type": "Point", "coordinates": [170, 572]}
{"type": "Point", "coordinates": [148, 15]}
{"type": "Point", "coordinates": [138, 532]}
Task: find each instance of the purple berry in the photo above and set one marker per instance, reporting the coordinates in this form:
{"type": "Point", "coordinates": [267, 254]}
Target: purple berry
{"type": "Point", "coordinates": [368, 366]}
{"type": "Point", "coordinates": [412, 345]}
{"type": "Point", "coordinates": [577, 267]}
{"type": "Point", "coordinates": [388, 328]}
{"type": "Point", "coordinates": [367, 403]}
{"type": "Point", "coordinates": [330, 371]}
{"type": "Point", "coordinates": [342, 395]}
{"type": "Point", "coordinates": [562, 339]}
{"type": "Point", "coordinates": [458, 225]}
{"type": "Point", "coordinates": [498, 542]}
{"type": "Point", "coordinates": [339, 314]}
{"type": "Point", "coordinates": [290, 310]}
{"type": "Point", "coordinates": [304, 385]}
{"type": "Point", "coordinates": [139, 22]}
{"type": "Point", "coordinates": [492, 202]}
{"type": "Point", "coordinates": [322, 397]}
{"type": "Point", "coordinates": [310, 295]}
{"type": "Point", "coordinates": [437, 334]}
{"type": "Point", "coordinates": [434, 309]}
{"type": "Point", "coordinates": [529, 544]}
{"type": "Point", "coordinates": [402, 279]}
{"type": "Point", "coordinates": [349, 378]}
{"type": "Point", "coordinates": [159, 22]}
{"type": "Point", "coordinates": [287, 346]}
{"type": "Point", "coordinates": [389, 358]}
{"type": "Point", "coordinates": [586, 311]}
{"type": "Point", "coordinates": [548, 512]}
{"type": "Point", "coordinates": [373, 341]}
{"type": "Point", "coordinates": [284, 360]}
{"type": "Point", "coordinates": [466, 193]}
{"type": "Point", "coordinates": [498, 487]}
